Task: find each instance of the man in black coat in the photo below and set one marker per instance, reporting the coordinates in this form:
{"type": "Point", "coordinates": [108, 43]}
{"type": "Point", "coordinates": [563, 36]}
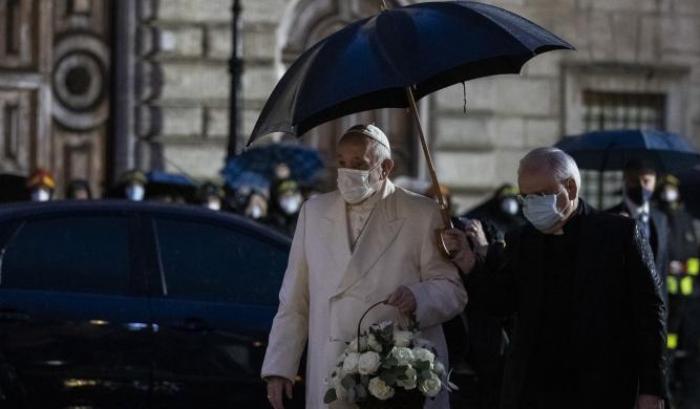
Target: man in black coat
{"type": "Point", "coordinates": [590, 329]}
{"type": "Point", "coordinates": [639, 185]}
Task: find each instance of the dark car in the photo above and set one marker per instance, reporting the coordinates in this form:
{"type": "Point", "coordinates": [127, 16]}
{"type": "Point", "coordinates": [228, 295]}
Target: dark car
{"type": "Point", "coordinates": [127, 305]}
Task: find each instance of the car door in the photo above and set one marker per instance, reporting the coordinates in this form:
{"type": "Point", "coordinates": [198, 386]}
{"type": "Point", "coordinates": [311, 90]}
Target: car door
{"type": "Point", "coordinates": [74, 317]}
{"type": "Point", "coordinates": [219, 294]}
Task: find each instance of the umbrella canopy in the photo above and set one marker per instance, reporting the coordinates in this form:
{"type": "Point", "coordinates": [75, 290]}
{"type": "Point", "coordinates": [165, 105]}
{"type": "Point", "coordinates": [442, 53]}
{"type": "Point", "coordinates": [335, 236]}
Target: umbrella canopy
{"type": "Point", "coordinates": [170, 184]}
{"type": "Point", "coordinates": [610, 150]}
{"type": "Point", "coordinates": [304, 163]}
{"type": "Point", "coordinates": [248, 180]}
{"type": "Point", "coordinates": [425, 47]}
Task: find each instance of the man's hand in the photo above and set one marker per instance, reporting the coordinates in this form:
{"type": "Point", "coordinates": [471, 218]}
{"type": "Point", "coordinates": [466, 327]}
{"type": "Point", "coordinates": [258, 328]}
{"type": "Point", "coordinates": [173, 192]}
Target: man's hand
{"type": "Point", "coordinates": [649, 402]}
{"type": "Point", "coordinates": [404, 300]}
{"type": "Point", "coordinates": [475, 232]}
{"type": "Point", "coordinates": [457, 244]}
{"type": "Point", "coordinates": [276, 386]}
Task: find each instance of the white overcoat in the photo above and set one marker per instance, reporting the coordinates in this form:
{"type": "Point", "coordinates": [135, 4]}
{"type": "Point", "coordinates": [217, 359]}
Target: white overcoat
{"type": "Point", "coordinates": [327, 287]}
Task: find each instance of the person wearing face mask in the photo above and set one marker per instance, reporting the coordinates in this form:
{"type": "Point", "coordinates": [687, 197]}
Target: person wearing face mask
{"type": "Point", "coordinates": [590, 329]}
{"type": "Point", "coordinates": [211, 195]}
{"type": "Point", "coordinates": [367, 242]}
{"type": "Point", "coordinates": [257, 205]}
{"type": "Point", "coordinates": [502, 211]}
{"type": "Point", "coordinates": [286, 202]}
{"type": "Point", "coordinates": [639, 183]}
{"type": "Point", "coordinates": [684, 296]}
{"type": "Point", "coordinates": [132, 186]}
{"type": "Point", "coordinates": [41, 186]}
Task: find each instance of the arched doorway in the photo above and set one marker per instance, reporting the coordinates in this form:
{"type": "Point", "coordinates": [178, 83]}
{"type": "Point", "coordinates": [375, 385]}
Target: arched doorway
{"type": "Point", "coordinates": [307, 22]}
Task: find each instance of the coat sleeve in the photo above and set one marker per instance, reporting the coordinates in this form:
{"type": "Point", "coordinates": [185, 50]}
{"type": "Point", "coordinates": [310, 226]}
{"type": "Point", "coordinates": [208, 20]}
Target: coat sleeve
{"type": "Point", "coordinates": [290, 327]}
{"type": "Point", "coordinates": [649, 313]}
{"type": "Point", "coordinates": [440, 294]}
{"type": "Point", "coordinates": [492, 283]}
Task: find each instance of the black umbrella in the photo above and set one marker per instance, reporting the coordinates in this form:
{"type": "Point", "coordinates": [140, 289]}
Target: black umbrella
{"type": "Point", "coordinates": [612, 149]}
{"type": "Point", "coordinates": [393, 58]}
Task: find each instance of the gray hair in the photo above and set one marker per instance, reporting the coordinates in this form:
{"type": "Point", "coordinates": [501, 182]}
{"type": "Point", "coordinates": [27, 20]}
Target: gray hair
{"type": "Point", "coordinates": [380, 152]}
{"type": "Point", "coordinates": [561, 164]}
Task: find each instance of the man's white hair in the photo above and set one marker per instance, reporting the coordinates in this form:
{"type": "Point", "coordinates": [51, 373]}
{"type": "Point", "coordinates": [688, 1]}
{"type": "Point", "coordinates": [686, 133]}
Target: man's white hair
{"type": "Point", "coordinates": [378, 141]}
{"type": "Point", "coordinates": [561, 164]}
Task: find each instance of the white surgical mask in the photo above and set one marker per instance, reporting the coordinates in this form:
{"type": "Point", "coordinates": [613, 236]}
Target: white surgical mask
{"type": "Point", "coordinates": [41, 195]}
{"type": "Point", "coordinates": [214, 203]}
{"type": "Point", "coordinates": [542, 211]}
{"type": "Point", "coordinates": [510, 206]}
{"type": "Point", "coordinates": [255, 212]}
{"type": "Point", "coordinates": [669, 195]}
{"type": "Point", "coordinates": [355, 185]}
{"type": "Point", "coordinates": [290, 204]}
{"type": "Point", "coordinates": [135, 192]}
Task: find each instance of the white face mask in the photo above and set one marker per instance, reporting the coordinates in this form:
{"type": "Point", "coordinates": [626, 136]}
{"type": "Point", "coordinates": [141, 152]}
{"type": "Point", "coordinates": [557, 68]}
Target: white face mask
{"type": "Point", "coordinates": [290, 204]}
{"type": "Point", "coordinates": [255, 212]}
{"type": "Point", "coordinates": [135, 192]}
{"type": "Point", "coordinates": [355, 185]}
{"type": "Point", "coordinates": [214, 203]}
{"type": "Point", "coordinates": [41, 195]}
{"type": "Point", "coordinates": [669, 195]}
{"type": "Point", "coordinates": [542, 211]}
{"type": "Point", "coordinates": [510, 206]}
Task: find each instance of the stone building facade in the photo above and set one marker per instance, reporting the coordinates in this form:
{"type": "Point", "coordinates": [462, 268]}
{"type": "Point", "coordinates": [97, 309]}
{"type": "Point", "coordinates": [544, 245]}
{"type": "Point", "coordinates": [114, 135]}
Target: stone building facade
{"type": "Point", "coordinates": [637, 64]}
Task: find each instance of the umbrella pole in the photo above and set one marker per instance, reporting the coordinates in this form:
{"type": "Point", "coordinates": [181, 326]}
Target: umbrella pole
{"type": "Point", "coordinates": [442, 201]}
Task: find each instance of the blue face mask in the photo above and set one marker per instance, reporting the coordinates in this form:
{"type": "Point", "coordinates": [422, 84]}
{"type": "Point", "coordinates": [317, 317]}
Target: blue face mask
{"type": "Point", "coordinates": [542, 211]}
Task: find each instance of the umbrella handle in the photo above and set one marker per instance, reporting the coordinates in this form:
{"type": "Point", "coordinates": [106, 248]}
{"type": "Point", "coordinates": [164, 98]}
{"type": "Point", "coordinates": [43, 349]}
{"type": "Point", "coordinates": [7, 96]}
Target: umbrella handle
{"type": "Point", "coordinates": [442, 201]}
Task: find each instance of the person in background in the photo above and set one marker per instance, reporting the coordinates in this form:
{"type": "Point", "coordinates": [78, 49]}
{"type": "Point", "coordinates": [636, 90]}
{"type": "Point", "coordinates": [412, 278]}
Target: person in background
{"type": "Point", "coordinates": [211, 195]}
{"type": "Point", "coordinates": [41, 186]}
{"type": "Point", "coordinates": [684, 296]}
{"type": "Point", "coordinates": [133, 185]}
{"type": "Point", "coordinates": [286, 203]}
{"type": "Point", "coordinates": [257, 206]}
{"type": "Point", "coordinates": [590, 329]}
{"type": "Point", "coordinates": [502, 212]}
{"type": "Point", "coordinates": [639, 183]}
{"type": "Point", "coordinates": [78, 189]}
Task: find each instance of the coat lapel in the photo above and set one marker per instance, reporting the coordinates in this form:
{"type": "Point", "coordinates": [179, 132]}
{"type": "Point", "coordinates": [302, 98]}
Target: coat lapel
{"type": "Point", "coordinates": [334, 229]}
{"type": "Point", "coordinates": [382, 229]}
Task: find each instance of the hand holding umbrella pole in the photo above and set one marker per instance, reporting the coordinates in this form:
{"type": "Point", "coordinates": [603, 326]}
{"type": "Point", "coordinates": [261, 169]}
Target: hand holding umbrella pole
{"type": "Point", "coordinates": [442, 200]}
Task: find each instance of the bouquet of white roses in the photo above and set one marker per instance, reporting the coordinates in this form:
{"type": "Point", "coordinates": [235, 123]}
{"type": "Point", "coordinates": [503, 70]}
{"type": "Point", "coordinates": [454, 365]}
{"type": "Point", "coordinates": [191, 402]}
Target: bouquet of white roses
{"type": "Point", "coordinates": [388, 367]}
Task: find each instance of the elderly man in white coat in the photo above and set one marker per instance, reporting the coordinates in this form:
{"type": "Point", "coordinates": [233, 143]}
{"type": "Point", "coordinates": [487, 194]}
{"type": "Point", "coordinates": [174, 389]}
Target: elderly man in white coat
{"type": "Point", "coordinates": [366, 242]}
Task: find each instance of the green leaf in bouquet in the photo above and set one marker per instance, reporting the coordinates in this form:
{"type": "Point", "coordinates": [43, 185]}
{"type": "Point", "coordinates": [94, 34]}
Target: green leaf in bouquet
{"type": "Point", "coordinates": [348, 382]}
{"type": "Point", "coordinates": [330, 396]}
{"type": "Point", "coordinates": [390, 361]}
{"type": "Point", "coordinates": [422, 366]}
{"type": "Point", "coordinates": [361, 392]}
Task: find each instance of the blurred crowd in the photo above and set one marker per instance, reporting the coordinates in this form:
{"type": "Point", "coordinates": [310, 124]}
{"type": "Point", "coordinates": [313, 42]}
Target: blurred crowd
{"type": "Point", "coordinates": [274, 202]}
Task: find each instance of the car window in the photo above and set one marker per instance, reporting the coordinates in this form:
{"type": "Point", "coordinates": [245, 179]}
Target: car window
{"type": "Point", "coordinates": [73, 254]}
{"type": "Point", "coordinates": [212, 263]}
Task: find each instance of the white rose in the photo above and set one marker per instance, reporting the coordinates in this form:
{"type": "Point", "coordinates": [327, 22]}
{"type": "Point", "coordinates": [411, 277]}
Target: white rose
{"type": "Point", "coordinates": [422, 354]}
{"type": "Point", "coordinates": [402, 338]}
{"type": "Point", "coordinates": [369, 363]}
{"type": "Point", "coordinates": [411, 378]}
{"type": "Point", "coordinates": [431, 387]}
{"type": "Point", "coordinates": [403, 355]}
{"type": "Point", "coordinates": [350, 363]}
{"type": "Point", "coordinates": [379, 389]}
{"type": "Point", "coordinates": [373, 343]}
